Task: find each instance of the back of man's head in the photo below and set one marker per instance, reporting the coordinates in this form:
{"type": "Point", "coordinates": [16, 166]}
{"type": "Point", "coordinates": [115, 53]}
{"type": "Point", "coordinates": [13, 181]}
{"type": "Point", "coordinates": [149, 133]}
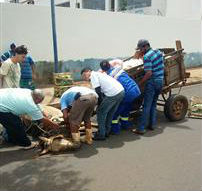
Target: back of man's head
{"type": "Point", "coordinates": [104, 65]}
{"type": "Point", "coordinates": [21, 50]}
{"type": "Point", "coordinates": [87, 69]}
{"type": "Point", "coordinates": [38, 95]}
{"type": "Point", "coordinates": [12, 46]}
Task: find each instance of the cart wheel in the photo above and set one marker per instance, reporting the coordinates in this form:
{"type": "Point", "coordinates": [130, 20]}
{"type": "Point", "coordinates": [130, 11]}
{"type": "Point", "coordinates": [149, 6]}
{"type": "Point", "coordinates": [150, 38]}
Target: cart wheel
{"type": "Point", "coordinates": [176, 107]}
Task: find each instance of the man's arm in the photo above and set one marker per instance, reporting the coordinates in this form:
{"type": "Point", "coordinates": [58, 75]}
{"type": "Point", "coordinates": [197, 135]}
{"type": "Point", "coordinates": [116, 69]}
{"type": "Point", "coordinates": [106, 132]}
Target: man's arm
{"type": "Point", "coordinates": [66, 117]}
{"type": "Point", "coordinates": [145, 78]}
{"type": "Point", "coordinates": [40, 117]}
{"type": "Point", "coordinates": [33, 67]}
{"type": "Point", "coordinates": [48, 123]}
{"type": "Point", "coordinates": [100, 95]}
{"type": "Point", "coordinates": [33, 72]}
{"type": "Point", "coordinates": [148, 71]}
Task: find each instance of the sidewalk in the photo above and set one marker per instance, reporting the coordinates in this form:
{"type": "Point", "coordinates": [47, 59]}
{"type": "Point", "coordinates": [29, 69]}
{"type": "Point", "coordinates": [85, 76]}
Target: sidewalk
{"type": "Point", "coordinates": [195, 78]}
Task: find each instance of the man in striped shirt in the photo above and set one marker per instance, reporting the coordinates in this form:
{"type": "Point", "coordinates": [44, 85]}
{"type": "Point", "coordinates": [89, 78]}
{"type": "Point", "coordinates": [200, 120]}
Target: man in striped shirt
{"type": "Point", "coordinates": [153, 83]}
{"type": "Point", "coordinates": [9, 53]}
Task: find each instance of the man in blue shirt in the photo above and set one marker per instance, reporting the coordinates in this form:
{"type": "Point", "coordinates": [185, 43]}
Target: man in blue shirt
{"type": "Point", "coordinates": [153, 83]}
{"type": "Point", "coordinates": [132, 91]}
{"type": "Point", "coordinates": [27, 73]}
{"type": "Point", "coordinates": [77, 105]}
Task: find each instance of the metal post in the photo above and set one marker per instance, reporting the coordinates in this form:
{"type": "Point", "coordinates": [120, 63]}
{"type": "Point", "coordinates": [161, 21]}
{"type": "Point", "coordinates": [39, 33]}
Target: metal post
{"type": "Point", "coordinates": [54, 35]}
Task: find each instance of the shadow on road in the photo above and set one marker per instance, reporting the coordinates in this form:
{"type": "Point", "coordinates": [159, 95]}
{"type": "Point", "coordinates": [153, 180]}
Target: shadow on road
{"type": "Point", "coordinates": [113, 142]}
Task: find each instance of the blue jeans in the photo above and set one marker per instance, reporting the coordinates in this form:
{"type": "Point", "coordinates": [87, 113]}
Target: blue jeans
{"type": "Point", "coordinates": [106, 112]}
{"type": "Point", "coordinates": [152, 91]}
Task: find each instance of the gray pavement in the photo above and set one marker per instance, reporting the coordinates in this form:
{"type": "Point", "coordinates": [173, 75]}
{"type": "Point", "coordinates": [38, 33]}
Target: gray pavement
{"type": "Point", "coordinates": [168, 159]}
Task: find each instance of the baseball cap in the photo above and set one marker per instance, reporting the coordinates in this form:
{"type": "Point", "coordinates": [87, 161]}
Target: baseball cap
{"type": "Point", "coordinates": [141, 43]}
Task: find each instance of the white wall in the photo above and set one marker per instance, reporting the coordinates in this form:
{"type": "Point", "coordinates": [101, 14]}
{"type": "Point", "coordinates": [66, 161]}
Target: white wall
{"type": "Point", "coordinates": [186, 9]}
{"type": "Point", "coordinates": [160, 5]}
{"type": "Point", "coordinates": [91, 34]}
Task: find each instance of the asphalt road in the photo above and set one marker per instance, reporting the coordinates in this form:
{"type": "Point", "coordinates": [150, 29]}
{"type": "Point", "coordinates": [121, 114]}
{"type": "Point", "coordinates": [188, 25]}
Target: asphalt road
{"type": "Point", "coordinates": [168, 159]}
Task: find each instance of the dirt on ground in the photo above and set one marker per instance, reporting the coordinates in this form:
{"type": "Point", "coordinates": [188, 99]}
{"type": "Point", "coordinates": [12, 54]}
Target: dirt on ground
{"type": "Point", "coordinates": [195, 75]}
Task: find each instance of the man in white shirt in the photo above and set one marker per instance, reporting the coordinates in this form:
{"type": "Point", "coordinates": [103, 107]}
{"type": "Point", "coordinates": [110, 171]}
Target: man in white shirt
{"type": "Point", "coordinates": [77, 105]}
{"type": "Point", "coordinates": [14, 103]}
{"type": "Point", "coordinates": [110, 93]}
{"type": "Point", "coordinates": [10, 69]}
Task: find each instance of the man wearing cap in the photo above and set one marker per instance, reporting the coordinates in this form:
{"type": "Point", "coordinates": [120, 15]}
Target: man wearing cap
{"type": "Point", "coordinates": [107, 105]}
{"type": "Point", "coordinates": [132, 91]}
{"type": "Point", "coordinates": [152, 82]}
{"type": "Point", "coordinates": [77, 105]}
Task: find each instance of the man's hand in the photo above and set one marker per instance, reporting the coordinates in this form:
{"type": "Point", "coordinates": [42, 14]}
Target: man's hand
{"type": "Point", "coordinates": [55, 125]}
{"type": "Point", "coordinates": [141, 86]}
{"type": "Point", "coordinates": [145, 78]}
{"type": "Point", "coordinates": [45, 114]}
{"type": "Point", "coordinates": [47, 123]}
{"type": "Point", "coordinates": [138, 55]}
{"type": "Point", "coordinates": [66, 117]}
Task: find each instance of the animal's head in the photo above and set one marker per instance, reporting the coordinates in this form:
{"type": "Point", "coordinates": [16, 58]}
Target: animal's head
{"type": "Point", "coordinates": [45, 144]}
{"type": "Point", "coordinates": [52, 144]}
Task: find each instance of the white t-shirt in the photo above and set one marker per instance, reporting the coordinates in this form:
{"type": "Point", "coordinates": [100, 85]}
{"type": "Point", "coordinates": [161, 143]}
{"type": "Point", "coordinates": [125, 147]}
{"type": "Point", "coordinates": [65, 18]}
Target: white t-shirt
{"type": "Point", "coordinates": [19, 102]}
{"type": "Point", "coordinates": [10, 74]}
{"type": "Point", "coordinates": [109, 86]}
{"type": "Point", "coordinates": [81, 89]}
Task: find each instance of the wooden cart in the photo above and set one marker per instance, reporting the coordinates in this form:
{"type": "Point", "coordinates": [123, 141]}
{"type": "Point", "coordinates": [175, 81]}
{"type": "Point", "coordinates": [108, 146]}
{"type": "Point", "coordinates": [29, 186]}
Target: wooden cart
{"type": "Point", "coordinates": [175, 105]}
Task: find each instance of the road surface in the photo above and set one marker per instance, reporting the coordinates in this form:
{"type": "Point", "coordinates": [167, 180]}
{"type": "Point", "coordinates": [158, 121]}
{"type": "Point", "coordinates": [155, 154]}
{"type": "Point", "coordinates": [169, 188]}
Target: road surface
{"type": "Point", "coordinates": [168, 159]}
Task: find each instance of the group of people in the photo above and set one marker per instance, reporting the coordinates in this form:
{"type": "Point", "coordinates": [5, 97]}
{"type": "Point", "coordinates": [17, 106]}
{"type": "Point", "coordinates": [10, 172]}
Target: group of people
{"type": "Point", "coordinates": [18, 97]}
{"type": "Point", "coordinates": [17, 68]}
{"type": "Point", "coordinates": [112, 95]}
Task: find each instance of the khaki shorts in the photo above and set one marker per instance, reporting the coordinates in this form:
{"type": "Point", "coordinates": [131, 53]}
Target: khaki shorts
{"type": "Point", "coordinates": [82, 109]}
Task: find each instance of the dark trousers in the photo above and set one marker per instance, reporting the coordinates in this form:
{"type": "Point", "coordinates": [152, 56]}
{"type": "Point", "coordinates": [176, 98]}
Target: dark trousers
{"type": "Point", "coordinates": [15, 129]}
{"type": "Point", "coordinates": [106, 111]}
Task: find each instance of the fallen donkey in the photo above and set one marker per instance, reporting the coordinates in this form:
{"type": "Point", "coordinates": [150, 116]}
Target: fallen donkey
{"type": "Point", "coordinates": [56, 144]}
{"type": "Point", "coordinates": [54, 141]}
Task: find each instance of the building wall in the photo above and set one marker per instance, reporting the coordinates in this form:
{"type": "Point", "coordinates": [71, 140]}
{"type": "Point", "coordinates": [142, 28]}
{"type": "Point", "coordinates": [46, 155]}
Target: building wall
{"type": "Point", "coordinates": [86, 33]}
{"type": "Point", "coordinates": [184, 9]}
{"type": "Point", "coordinates": [87, 36]}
